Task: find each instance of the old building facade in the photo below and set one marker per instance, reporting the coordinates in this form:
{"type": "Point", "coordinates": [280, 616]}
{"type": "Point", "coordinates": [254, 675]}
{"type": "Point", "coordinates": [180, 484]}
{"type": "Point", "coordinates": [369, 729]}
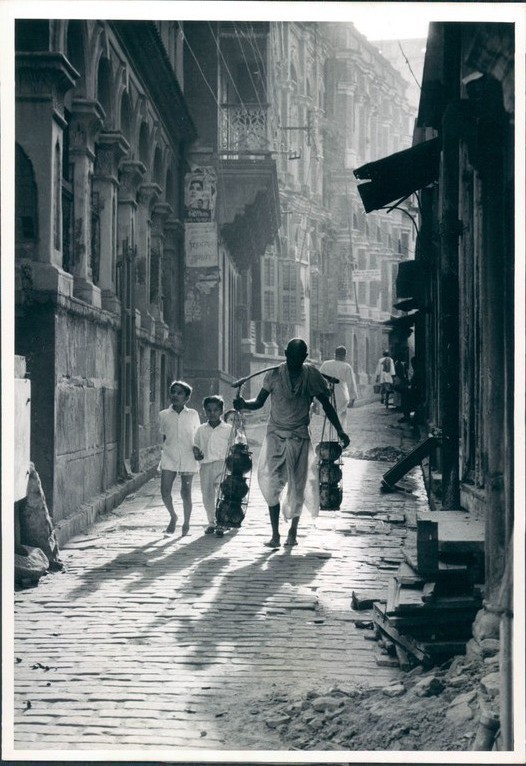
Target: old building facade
{"type": "Point", "coordinates": [461, 287]}
{"type": "Point", "coordinates": [335, 103]}
{"type": "Point", "coordinates": [100, 158]}
{"type": "Point", "coordinates": [368, 117]}
{"type": "Point", "coordinates": [226, 73]}
{"type": "Point", "coordinates": [188, 218]}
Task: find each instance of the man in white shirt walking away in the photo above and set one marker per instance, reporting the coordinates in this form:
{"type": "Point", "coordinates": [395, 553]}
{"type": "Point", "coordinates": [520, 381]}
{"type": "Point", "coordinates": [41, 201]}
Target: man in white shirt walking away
{"type": "Point", "coordinates": [385, 372]}
{"type": "Point", "coordinates": [345, 392]}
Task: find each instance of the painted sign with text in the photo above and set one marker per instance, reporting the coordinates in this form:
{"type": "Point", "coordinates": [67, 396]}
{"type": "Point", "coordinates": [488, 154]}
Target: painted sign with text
{"type": "Point", "coordinates": [201, 245]}
{"type": "Point", "coordinates": [369, 274]}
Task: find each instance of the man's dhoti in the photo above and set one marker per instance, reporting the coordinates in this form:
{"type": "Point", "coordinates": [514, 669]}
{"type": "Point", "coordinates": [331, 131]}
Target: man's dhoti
{"type": "Point", "coordinates": [288, 462]}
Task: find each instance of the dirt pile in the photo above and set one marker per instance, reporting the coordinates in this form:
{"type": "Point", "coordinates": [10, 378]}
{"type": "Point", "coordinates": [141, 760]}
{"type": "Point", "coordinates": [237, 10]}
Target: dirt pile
{"type": "Point", "coordinates": [435, 710]}
{"type": "Point", "coordinates": [382, 454]}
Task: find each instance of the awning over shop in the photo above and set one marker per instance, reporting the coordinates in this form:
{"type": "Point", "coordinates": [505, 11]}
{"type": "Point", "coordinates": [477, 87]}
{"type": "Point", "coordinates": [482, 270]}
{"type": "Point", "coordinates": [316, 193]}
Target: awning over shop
{"type": "Point", "coordinates": [403, 323]}
{"type": "Point", "coordinates": [408, 304]}
{"type": "Point", "coordinates": [399, 175]}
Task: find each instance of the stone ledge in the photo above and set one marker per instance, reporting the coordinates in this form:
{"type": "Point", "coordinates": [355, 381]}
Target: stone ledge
{"type": "Point", "coordinates": [86, 514]}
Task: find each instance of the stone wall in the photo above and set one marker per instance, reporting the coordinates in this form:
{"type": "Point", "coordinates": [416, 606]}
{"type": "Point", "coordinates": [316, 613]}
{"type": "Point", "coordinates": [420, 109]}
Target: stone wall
{"type": "Point", "coordinates": [86, 409]}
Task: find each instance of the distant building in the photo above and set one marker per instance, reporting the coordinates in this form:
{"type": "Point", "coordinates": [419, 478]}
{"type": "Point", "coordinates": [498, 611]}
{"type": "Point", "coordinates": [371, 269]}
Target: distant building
{"type": "Point", "coordinates": [334, 103]}
{"type": "Point", "coordinates": [367, 117]}
{"type": "Point", "coordinates": [226, 69]}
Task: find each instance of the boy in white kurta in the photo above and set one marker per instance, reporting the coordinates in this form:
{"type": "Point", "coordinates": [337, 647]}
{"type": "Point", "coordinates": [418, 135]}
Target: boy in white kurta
{"type": "Point", "coordinates": [178, 425]}
{"type": "Point", "coordinates": [210, 447]}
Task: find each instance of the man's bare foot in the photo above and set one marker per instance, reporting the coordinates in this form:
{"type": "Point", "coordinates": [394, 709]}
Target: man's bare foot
{"type": "Point", "coordinates": [184, 529]}
{"type": "Point", "coordinates": [291, 540]}
{"type": "Point", "coordinates": [170, 529]}
{"type": "Point", "coordinates": [273, 542]}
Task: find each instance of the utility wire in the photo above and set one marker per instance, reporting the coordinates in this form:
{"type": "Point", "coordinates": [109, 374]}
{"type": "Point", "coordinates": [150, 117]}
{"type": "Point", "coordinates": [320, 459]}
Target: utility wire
{"type": "Point", "coordinates": [409, 65]}
{"type": "Point", "coordinates": [216, 39]}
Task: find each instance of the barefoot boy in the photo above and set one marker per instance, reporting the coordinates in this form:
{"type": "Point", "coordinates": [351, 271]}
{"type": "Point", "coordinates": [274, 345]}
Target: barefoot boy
{"type": "Point", "coordinates": [210, 446]}
{"type": "Point", "coordinates": [178, 425]}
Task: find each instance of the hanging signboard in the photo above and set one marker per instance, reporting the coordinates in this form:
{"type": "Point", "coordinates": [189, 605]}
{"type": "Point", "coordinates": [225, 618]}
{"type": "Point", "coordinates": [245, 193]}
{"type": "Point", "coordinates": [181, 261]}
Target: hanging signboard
{"type": "Point", "coordinates": [200, 241]}
{"type": "Point", "coordinates": [373, 275]}
{"type": "Point", "coordinates": [200, 195]}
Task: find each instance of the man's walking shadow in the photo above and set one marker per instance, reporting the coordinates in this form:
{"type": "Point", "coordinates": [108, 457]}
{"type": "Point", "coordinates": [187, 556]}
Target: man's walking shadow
{"type": "Point", "coordinates": [243, 593]}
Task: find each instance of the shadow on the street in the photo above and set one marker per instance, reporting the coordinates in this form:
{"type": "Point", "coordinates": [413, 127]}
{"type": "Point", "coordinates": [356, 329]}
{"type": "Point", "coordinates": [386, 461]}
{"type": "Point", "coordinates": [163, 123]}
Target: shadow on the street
{"type": "Point", "coordinates": [243, 592]}
{"type": "Point", "coordinates": [149, 561]}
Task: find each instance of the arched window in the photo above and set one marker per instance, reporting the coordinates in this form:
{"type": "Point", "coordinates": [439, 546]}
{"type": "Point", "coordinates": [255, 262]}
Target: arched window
{"type": "Point", "coordinates": [26, 206]}
{"type": "Point", "coordinates": [75, 48]}
{"type": "Point", "coordinates": [126, 116]}
{"type": "Point", "coordinates": [157, 167]}
{"type": "Point", "coordinates": [169, 189]}
{"type": "Point", "coordinates": [144, 149]}
{"type": "Point", "coordinates": [104, 88]}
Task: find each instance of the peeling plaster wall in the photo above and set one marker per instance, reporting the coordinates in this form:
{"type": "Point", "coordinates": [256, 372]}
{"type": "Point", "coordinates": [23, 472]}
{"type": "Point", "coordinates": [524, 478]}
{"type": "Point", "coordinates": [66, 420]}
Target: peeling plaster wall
{"type": "Point", "coordinates": [86, 409]}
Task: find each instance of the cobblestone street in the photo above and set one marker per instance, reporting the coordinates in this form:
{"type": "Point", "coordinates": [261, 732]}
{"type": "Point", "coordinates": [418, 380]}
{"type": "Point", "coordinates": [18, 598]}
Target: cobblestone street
{"type": "Point", "coordinates": [146, 641]}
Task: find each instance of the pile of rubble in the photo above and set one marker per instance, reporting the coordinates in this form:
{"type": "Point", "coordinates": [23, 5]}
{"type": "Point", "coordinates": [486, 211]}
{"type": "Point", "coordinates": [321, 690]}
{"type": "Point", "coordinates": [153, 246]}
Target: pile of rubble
{"type": "Point", "coordinates": [381, 454]}
{"type": "Point", "coordinates": [439, 709]}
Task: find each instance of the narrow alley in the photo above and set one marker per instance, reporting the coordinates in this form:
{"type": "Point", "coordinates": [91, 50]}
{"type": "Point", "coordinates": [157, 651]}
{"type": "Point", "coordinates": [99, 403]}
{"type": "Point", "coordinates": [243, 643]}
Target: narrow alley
{"type": "Point", "coordinates": [152, 642]}
{"type": "Point", "coordinates": [195, 203]}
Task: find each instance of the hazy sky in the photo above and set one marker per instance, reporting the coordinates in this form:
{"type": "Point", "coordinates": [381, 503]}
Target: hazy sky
{"type": "Point", "coordinates": [388, 23]}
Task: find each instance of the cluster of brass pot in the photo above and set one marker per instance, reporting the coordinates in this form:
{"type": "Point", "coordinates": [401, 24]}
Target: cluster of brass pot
{"type": "Point", "coordinates": [330, 474]}
{"type": "Point", "coordinates": [230, 510]}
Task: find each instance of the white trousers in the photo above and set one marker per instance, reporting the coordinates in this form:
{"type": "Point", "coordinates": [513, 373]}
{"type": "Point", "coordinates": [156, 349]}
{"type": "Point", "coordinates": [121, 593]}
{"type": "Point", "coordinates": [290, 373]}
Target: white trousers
{"type": "Point", "coordinates": [210, 476]}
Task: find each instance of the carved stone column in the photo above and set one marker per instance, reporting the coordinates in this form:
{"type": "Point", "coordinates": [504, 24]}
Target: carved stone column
{"type": "Point", "coordinates": [85, 123]}
{"type": "Point", "coordinates": [173, 276]}
{"type": "Point", "coordinates": [42, 79]}
{"type": "Point", "coordinates": [147, 197]}
{"type": "Point", "coordinates": [111, 148]}
{"type": "Point", "coordinates": [160, 213]}
{"type": "Point", "coordinates": [131, 174]}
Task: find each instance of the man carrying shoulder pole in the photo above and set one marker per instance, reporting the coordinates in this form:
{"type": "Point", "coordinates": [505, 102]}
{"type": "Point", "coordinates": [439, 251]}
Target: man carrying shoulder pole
{"type": "Point", "coordinates": [287, 457]}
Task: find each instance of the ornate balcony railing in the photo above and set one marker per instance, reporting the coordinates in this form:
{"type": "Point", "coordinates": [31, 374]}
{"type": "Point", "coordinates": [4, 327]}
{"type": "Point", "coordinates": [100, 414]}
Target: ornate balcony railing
{"type": "Point", "coordinates": [243, 129]}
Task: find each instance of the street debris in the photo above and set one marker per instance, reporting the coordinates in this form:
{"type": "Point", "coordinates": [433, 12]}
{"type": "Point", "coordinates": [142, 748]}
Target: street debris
{"type": "Point", "coordinates": [382, 454]}
{"type": "Point", "coordinates": [367, 719]}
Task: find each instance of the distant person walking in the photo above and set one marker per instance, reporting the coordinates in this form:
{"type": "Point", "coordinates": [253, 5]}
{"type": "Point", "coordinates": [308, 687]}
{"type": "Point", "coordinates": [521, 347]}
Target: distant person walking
{"type": "Point", "coordinates": [401, 382]}
{"type": "Point", "coordinates": [178, 425]}
{"type": "Point", "coordinates": [385, 372]}
{"type": "Point", "coordinates": [345, 392]}
{"type": "Point", "coordinates": [287, 457]}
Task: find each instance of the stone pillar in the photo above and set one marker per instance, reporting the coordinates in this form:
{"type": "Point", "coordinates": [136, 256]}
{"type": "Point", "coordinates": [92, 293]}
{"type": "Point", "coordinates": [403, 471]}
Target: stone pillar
{"type": "Point", "coordinates": [147, 198]}
{"type": "Point", "coordinates": [86, 120]}
{"type": "Point", "coordinates": [111, 148]}
{"type": "Point", "coordinates": [173, 275]}
{"type": "Point", "coordinates": [131, 173]}
{"type": "Point", "coordinates": [160, 213]}
{"type": "Point", "coordinates": [42, 79]}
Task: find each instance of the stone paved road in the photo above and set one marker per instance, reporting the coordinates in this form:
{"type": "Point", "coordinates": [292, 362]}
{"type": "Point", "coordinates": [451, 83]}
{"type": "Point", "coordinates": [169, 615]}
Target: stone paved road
{"type": "Point", "coordinates": [144, 641]}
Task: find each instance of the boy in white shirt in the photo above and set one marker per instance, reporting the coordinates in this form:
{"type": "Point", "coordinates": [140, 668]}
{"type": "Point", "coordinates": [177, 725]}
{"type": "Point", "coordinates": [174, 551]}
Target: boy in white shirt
{"type": "Point", "coordinates": [178, 425]}
{"type": "Point", "coordinates": [210, 446]}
